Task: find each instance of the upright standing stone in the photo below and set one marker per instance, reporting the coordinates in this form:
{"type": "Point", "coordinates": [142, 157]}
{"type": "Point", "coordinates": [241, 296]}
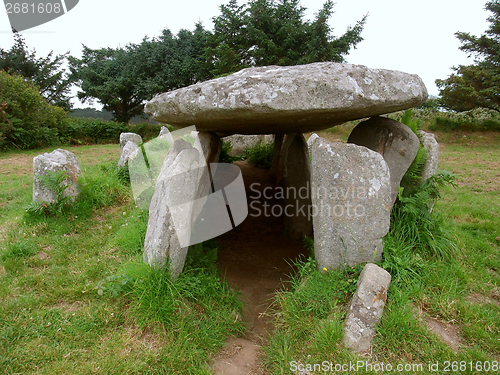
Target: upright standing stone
{"type": "Point", "coordinates": [351, 203]}
{"type": "Point", "coordinates": [57, 160]}
{"type": "Point", "coordinates": [176, 184]}
{"type": "Point", "coordinates": [396, 142]}
{"type": "Point", "coordinates": [367, 307]}
{"type": "Point", "coordinates": [180, 193]}
{"type": "Point", "coordinates": [297, 181]}
{"type": "Point", "coordinates": [428, 141]}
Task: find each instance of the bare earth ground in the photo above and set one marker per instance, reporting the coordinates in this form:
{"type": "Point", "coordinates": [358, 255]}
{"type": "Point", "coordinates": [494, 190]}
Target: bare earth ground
{"type": "Point", "coordinates": [255, 258]}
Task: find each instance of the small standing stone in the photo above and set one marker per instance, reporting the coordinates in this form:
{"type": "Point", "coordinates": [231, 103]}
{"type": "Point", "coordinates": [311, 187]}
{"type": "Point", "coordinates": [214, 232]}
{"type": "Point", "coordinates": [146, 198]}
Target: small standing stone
{"type": "Point", "coordinates": [57, 160]}
{"type": "Point", "coordinates": [164, 132]}
{"type": "Point", "coordinates": [311, 140]}
{"type": "Point", "coordinates": [428, 141]}
{"type": "Point", "coordinates": [367, 307]}
{"type": "Point", "coordinates": [125, 137]}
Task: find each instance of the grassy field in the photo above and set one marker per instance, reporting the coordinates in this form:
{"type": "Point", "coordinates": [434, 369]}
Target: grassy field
{"type": "Point", "coordinates": [54, 321]}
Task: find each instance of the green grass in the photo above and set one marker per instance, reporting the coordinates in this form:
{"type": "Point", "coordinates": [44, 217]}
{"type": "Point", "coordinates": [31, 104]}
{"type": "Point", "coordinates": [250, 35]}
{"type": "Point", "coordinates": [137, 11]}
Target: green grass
{"type": "Point", "coordinates": [75, 295]}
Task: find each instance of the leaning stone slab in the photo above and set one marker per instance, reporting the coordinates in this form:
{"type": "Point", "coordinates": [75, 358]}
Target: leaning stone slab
{"type": "Point", "coordinates": [367, 307]}
{"type": "Point", "coordinates": [288, 99]}
{"type": "Point", "coordinates": [351, 203]}
{"type": "Point", "coordinates": [395, 141]}
{"type": "Point", "coordinates": [129, 151]}
{"type": "Point", "coordinates": [57, 160]}
{"type": "Point", "coordinates": [177, 183]}
{"type": "Point", "coordinates": [428, 141]}
{"type": "Point", "coordinates": [297, 181]}
{"type": "Point", "coordinates": [126, 137]}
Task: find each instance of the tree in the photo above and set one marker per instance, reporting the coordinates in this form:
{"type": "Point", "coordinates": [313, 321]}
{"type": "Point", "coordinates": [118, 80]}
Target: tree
{"type": "Point", "coordinates": [269, 32]}
{"type": "Point", "coordinates": [26, 119]}
{"type": "Point", "coordinates": [45, 72]}
{"type": "Point", "coordinates": [476, 85]}
{"type": "Point", "coordinates": [110, 76]}
{"type": "Point", "coordinates": [170, 62]}
{"type": "Point", "coordinates": [123, 79]}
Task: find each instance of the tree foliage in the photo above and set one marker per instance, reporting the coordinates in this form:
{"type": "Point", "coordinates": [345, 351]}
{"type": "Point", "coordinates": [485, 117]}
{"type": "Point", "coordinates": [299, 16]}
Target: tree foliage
{"type": "Point", "coordinates": [269, 32]}
{"type": "Point", "coordinates": [26, 119]}
{"type": "Point", "coordinates": [112, 77]}
{"type": "Point", "coordinates": [476, 85]}
{"type": "Point", "coordinates": [45, 72]}
{"type": "Point", "coordinates": [122, 79]}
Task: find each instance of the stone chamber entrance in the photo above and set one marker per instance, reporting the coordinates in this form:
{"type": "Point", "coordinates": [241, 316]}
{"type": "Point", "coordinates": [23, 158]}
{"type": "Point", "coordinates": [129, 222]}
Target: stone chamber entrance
{"type": "Point", "coordinates": [256, 258]}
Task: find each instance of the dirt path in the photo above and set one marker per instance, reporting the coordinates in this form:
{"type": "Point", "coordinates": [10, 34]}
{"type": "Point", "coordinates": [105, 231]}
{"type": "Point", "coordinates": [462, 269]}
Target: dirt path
{"type": "Point", "coordinates": [255, 258]}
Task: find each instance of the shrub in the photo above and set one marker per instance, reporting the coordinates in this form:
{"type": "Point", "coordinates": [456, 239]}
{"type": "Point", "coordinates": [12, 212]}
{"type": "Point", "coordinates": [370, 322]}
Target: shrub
{"type": "Point", "coordinates": [478, 119]}
{"type": "Point", "coordinates": [89, 131]}
{"type": "Point", "coordinates": [27, 120]}
{"type": "Point", "coordinates": [261, 156]}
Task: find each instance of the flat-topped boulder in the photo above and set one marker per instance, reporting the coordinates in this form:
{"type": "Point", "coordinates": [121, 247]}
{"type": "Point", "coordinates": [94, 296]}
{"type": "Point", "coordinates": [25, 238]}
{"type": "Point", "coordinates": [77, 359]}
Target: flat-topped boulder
{"type": "Point", "coordinates": [288, 99]}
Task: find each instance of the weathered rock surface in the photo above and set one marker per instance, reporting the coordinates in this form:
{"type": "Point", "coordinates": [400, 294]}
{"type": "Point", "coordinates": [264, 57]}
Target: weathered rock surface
{"type": "Point", "coordinates": [57, 160]}
{"type": "Point", "coordinates": [288, 99]}
{"type": "Point", "coordinates": [351, 203]}
{"type": "Point", "coordinates": [428, 141]}
{"type": "Point", "coordinates": [367, 307]}
{"type": "Point", "coordinates": [129, 151]}
{"type": "Point", "coordinates": [126, 137]}
{"type": "Point", "coordinates": [297, 180]}
{"type": "Point", "coordinates": [177, 184]}
{"type": "Point", "coordinates": [395, 141]}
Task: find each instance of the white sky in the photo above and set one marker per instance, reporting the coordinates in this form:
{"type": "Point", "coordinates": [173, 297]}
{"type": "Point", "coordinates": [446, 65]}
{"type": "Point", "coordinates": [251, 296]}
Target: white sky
{"type": "Point", "coordinates": [414, 36]}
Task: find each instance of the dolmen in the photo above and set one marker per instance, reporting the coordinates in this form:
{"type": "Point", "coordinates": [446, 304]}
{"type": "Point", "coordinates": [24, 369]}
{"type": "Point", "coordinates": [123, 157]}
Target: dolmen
{"type": "Point", "coordinates": [350, 187]}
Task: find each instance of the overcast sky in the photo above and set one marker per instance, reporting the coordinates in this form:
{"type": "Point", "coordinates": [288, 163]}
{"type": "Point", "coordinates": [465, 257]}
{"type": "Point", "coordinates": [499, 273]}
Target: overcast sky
{"type": "Point", "coordinates": [414, 36]}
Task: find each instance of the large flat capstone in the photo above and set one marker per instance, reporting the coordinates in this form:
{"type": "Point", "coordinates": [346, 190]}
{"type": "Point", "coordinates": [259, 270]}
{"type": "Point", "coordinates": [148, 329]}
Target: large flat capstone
{"type": "Point", "coordinates": [288, 99]}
